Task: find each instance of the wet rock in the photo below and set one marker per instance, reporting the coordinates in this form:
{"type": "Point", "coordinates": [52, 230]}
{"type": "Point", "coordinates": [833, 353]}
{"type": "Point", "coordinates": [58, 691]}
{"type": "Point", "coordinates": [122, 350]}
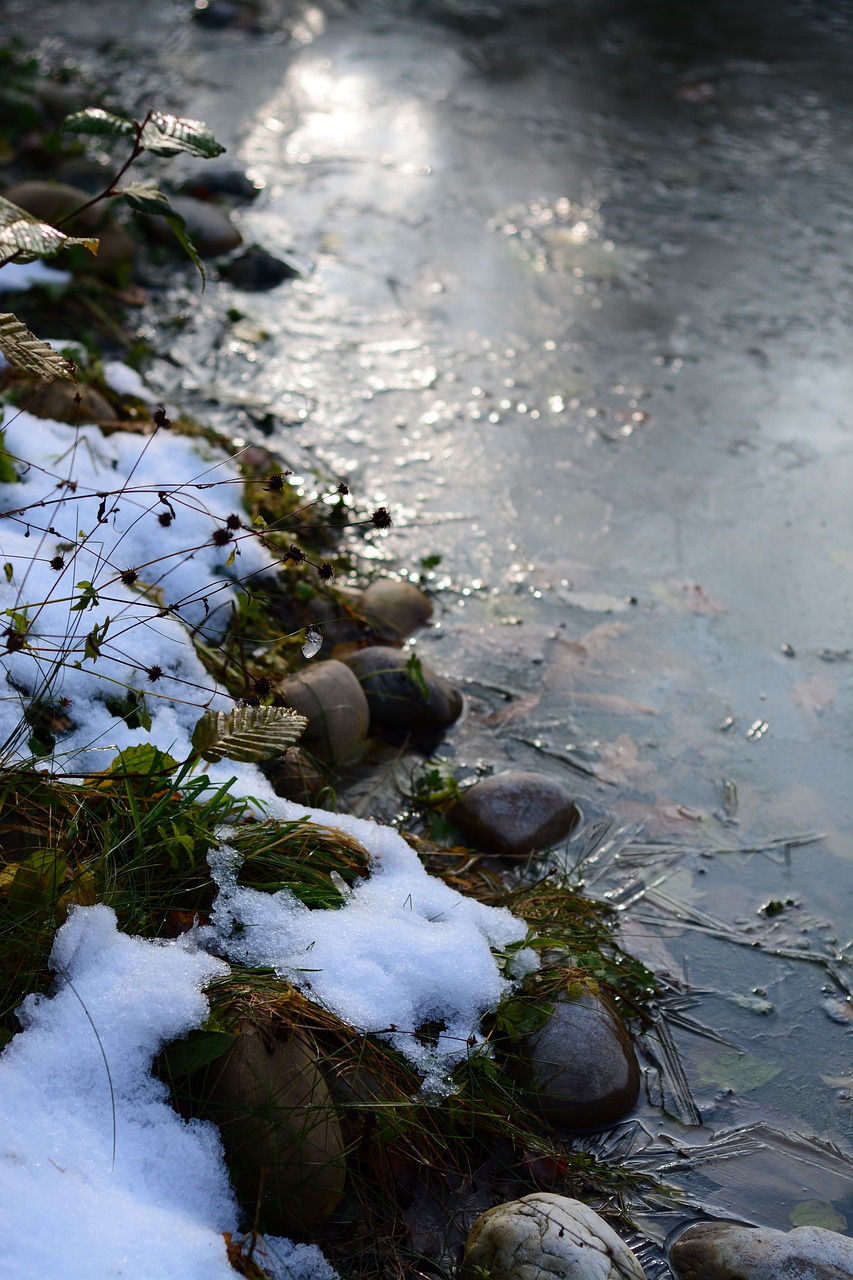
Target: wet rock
{"type": "Point", "coordinates": [209, 227]}
{"type": "Point", "coordinates": [294, 776]}
{"type": "Point", "coordinates": [731, 1251]}
{"type": "Point", "coordinates": [53, 201]}
{"type": "Point", "coordinates": [334, 702]}
{"type": "Point", "coordinates": [584, 1069]}
{"type": "Point", "coordinates": [280, 1129]}
{"type": "Point", "coordinates": [214, 180]}
{"type": "Point", "coordinates": [395, 609]}
{"type": "Point", "coordinates": [516, 813]}
{"type": "Point", "coordinates": [256, 270]}
{"type": "Point", "coordinates": [544, 1236]}
{"type": "Point", "coordinates": [217, 14]}
{"type": "Point", "coordinates": [65, 402]}
{"type": "Point", "coordinates": [395, 698]}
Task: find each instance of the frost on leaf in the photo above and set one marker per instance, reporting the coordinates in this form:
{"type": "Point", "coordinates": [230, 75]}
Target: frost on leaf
{"type": "Point", "coordinates": [247, 734]}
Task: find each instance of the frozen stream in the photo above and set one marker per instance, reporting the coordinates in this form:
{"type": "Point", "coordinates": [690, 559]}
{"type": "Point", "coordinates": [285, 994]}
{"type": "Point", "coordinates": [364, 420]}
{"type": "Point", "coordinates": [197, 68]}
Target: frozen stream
{"type": "Point", "coordinates": [579, 315]}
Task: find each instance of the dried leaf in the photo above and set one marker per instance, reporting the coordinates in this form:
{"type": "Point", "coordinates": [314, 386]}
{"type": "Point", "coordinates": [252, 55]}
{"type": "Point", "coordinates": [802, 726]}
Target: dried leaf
{"type": "Point", "coordinates": [247, 734]}
{"type": "Point", "coordinates": [25, 351]}
{"type": "Point", "coordinates": [25, 237]}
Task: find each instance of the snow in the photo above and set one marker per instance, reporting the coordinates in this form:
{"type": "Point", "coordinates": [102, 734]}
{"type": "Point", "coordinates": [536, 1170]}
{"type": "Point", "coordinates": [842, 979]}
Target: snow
{"type": "Point", "coordinates": [17, 276]}
{"type": "Point", "coordinates": [127, 382]}
{"type": "Point", "coordinates": [403, 949]}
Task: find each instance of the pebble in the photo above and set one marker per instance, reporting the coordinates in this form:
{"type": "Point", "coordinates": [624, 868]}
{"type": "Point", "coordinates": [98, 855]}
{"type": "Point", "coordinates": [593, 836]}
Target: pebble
{"type": "Point", "coordinates": [546, 1237]}
{"type": "Point", "coordinates": [395, 699]}
{"type": "Point", "coordinates": [337, 710]}
{"type": "Point", "coordinates": [584, 1068]}
{"type": "Point", "coordinates": [732, 1251]}
{"type": "Point", "coordinates": [516, 813]}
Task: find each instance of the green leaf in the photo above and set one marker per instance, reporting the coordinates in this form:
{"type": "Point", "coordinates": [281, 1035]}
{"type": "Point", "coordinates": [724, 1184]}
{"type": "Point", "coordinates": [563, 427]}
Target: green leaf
{"type": "Point", "coordinates": [37, 881]}
{"type": "Point", "coordinates": [8, 475]}
{"type": "Point", "coordinates": [167, 135]}
{"type": "Point", "coordinates": [817, 1213]}
{"type": "Point", "coordinates": [25, 237]}
{"type": "Point", "coordinates": [144, 197]}
{"type": "Point", "coordinates": [143, 760]}
{"type": "Point", "coordinates": [96, 122]}
{"type": "Point", "coordinates": [88, 596]}
{"type": "Point", "coordinates": [738, 1071]}
{"type": "Point", "coordinates": [415, 672]}
{"type": "Point", "coordinates": [247, 734]}
{"type": "Point", "coordinates": [199, 1049]}
{"type": "Point", "coordinates": [25, 351]}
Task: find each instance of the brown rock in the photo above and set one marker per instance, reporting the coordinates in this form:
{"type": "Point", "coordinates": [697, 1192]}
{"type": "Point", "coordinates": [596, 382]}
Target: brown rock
{"type": "Point", "coordinates": [395, 609]}
{"type": "Point", "coordinates": [53, 201]}
{"type": "Point", "coordinates": [396, 699]}
{"type": "Point", "coordinates": [332, 699]}
{"type": "Point", "coordinates": [294, 776]}
{"type": "Point", "coordinates": [280, 1129]}
{"type": "Point", "coordinates": [516, 813]}
{"type": "Point", "coordinates": [209, 227]}
{"type": "Point", "coordinates": [65, 402]}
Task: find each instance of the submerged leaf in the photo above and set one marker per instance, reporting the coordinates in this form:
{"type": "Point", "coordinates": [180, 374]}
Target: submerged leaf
{"type": "Point", "coordinates": [247, 734]}
{"type": "Point", "coordinates": [97, 122]}
{"type": "Point", "coordinates": [167, 135]}
{"type": "Point", "coordinates": [25, 351]}
{"type": "Point", "coordinates": [25, 237]}
{"type": "Point", "coordinates": [817, 1213]}
{"type": "Point", "coordinates": [738, 1071]}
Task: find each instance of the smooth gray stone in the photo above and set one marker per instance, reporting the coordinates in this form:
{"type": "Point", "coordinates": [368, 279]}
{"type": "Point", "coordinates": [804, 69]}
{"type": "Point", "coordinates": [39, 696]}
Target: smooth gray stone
{"type": "Point", "coordinates": [395, 699]}
{"type": "Point", "coordinates": [731, 1251]}
{"type": "Point", "coordinates": [209, 227]}
{"type": "Point", "coordinates": [395, 609]}
{"type": "Point", "coordinates": [585, 1071]}
{"type": "Point", "coordinates": [516, 813]}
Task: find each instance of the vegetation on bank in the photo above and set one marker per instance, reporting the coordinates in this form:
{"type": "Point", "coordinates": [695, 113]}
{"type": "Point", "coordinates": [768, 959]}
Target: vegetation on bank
{"type": "Point", "coordinates": [136, 833]}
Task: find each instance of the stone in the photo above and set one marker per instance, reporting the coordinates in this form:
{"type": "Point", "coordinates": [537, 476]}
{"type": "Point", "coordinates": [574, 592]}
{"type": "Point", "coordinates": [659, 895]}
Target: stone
{"type": "Point", "coordinates": [584, 1069]}
{"type": "Point", "coordinates": [546, 1237]}
{"type": "Point", "coordinates": [280, 1129]}
{"type": "Point", "coordinates": [516, 813]}
{"type": "Point", "coordinates": [395, 609]}
{"type": "Point", "coordinates": [216, 180]}
{"type": "Point", "coordinates": [294, 776]}
{"type": "Point", "coordinates": [335, 704]}
{"type": "Point", "coordinates": [732, 1251]}
{"type": "Point", "coordinates": [395, 698]}
{"type": "Point", "coordinates": [53, 201]}
{"type": "Point", "coordinates": [209, 227]}
{"type": "Point", "coordinates": [256, 270]}
{"type": "Point", "coordinates": [65, 402]}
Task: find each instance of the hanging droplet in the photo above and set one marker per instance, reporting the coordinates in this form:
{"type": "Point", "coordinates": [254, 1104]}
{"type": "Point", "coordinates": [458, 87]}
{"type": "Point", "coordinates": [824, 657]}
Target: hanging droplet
{"type": "Point", "coordinates": [313, 642]}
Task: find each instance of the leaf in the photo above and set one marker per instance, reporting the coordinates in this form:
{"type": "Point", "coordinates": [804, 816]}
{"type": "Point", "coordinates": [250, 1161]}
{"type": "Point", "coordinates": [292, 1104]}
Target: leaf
{"type": "Point", "coordinates": [25, 351]}
{"type": "Point", "coordinates": [199, 1049]}
{"type": "Point", "coordinates": [415, 672]}
{"type": "Point", "coordinates": [142, 760]}
{"type": "Point", "coordinates": [817, 1213]}
{"type": "Point", "coordinates": [144, 197]}
{"type": "Point", "coordinates": [738, 1071]}
{"type": "Point", "coordinates": [25, 237]}
{"type": "Point", "coordinates": [247, 734]}
{"type": "Point", "coordinates": [99, 123]}
{"type": "Point", "coordinates": [37, 880]}
{"type": "Point", "coordinates": [8, 475]}
{"type": "Point", "coordinates": [167, 135]}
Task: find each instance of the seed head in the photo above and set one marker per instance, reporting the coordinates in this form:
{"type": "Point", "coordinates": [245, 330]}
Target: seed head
{"type": "Point", "coordinates": [129, 577]}
{"type": "Point", "coordinates": [154, 673]}
{"type": "Point", "coordinates": [165, 519]}
{"type": "Point", "coordinates": [325, 571]}
{"type": "Point", "coordinates": [221, 537]}
{"type": "Point", "coordinates": [381, 518]}
{"type": "Point", "coordinates": [57, 563]}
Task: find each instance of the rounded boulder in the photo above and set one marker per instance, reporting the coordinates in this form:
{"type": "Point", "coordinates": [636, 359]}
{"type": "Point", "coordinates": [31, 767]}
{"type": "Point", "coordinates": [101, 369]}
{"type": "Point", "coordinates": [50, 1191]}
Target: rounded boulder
{"type": "Point", "coordinates": [584, 1069]}
{"type": "Point", "coordinates": [395, 610]}
{"type": "Point", "coordinates": [732, 1251]}
{"type": "Point", "coordinates": [544, 1236]}
{"type": "Point", "coordinates": [395, 696]}
{"type": "Point", "coordinates": [516, 813]}
{"type": "Point", "coordinates": [335, 704]}
{"type": "Point", "coordinates": [280, 1129]}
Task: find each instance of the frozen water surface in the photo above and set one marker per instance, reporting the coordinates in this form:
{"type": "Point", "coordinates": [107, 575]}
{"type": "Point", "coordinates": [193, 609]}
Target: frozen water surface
{"type": "Point", "coordinates": [579, 315]}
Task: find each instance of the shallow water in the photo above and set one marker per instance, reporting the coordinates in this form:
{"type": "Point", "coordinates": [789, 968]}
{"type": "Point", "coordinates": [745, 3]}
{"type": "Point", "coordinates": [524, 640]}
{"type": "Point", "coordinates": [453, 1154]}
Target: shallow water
{"type": "Point", "coordinates": [579, 315]}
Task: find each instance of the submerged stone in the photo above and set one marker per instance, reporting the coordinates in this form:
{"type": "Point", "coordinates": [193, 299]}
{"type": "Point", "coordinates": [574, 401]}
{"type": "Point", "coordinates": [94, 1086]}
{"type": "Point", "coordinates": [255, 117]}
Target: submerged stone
{"type": "Point", "coordinates": [516, 812]}
{"type": "Point", "coordinates": [395, 697]}
{"type": "Point", "coordinates": [256, 270]}
{"type": "Point", "coordinates": [209, 227]}
{"type": "Point", "coordinates": [280, 1129]}
{"type": "Point", "coordinates": [546, 1237]}
{"type": "Point", "coordinates": [732, 1251]}
{"type": "Point", "coordinates": [585, 1071]}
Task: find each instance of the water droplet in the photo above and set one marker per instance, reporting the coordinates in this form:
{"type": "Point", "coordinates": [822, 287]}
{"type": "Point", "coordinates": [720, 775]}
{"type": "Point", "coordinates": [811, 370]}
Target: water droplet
{"type": "Point", "coordinates": [313, 642]}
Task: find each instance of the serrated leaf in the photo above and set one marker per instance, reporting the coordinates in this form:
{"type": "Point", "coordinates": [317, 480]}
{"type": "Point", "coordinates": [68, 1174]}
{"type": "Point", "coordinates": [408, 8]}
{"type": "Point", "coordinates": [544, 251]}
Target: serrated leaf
{"type": "Point", "coordinates": [25, 237]}
{"type": "Point", "coordinates": [25, 351]}
{"type": "Point", "coordinates": [145, 197]}
{"type": "Point", "coordinates": [167, 135]}
{"type": "Point", "coordinates": [97, 122]}
{"type": "Point", "coordinates": [247, 734]}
